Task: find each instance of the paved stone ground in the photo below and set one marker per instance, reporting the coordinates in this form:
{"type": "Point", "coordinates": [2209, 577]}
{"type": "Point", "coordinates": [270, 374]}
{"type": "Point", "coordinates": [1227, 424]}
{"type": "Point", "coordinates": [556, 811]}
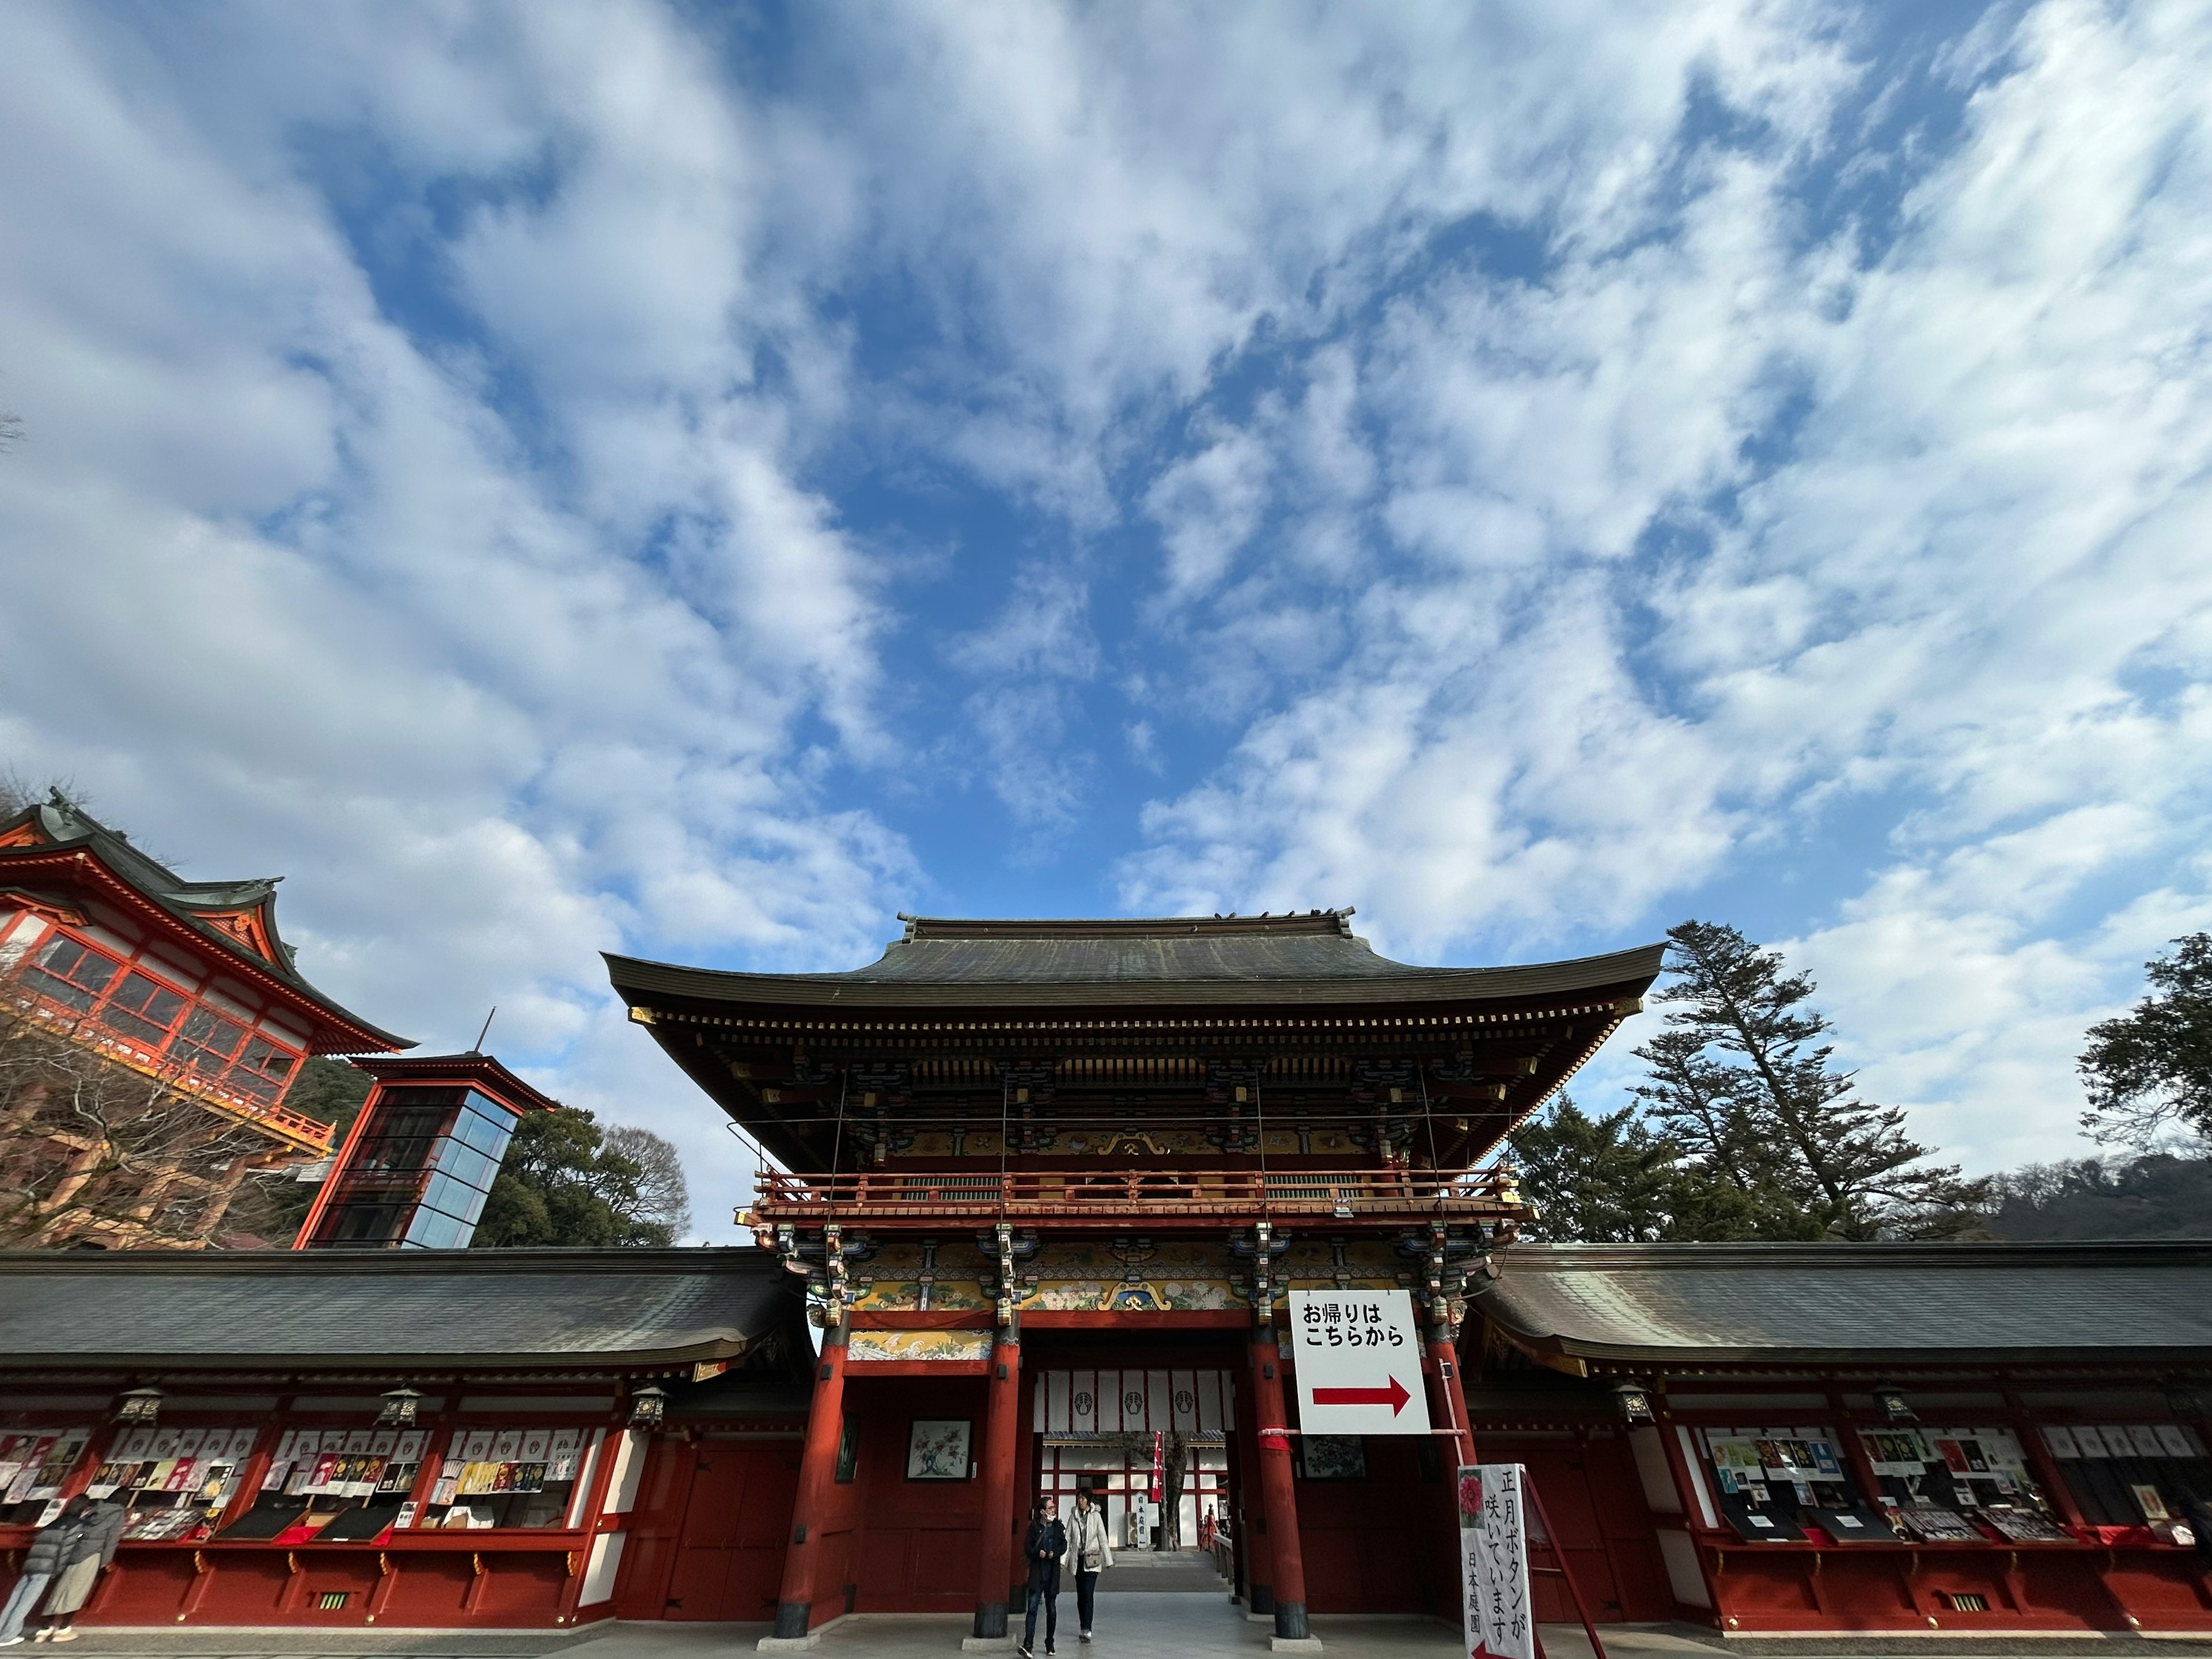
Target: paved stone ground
{"type": "Point", "coordinates": [1133, 1624]}
{"type": "Point", "coordinates": [1161, 1570]}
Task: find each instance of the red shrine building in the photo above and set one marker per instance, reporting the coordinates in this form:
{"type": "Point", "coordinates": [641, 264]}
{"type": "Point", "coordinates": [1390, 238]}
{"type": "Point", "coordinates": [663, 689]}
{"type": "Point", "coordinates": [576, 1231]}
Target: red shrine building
{"type": "Point", "coordinates": [1040, 1199]}
{"type": "Point", "coordinates": [173, 1022]}
{"type": "Point", "coordinates": [1048, 1183]}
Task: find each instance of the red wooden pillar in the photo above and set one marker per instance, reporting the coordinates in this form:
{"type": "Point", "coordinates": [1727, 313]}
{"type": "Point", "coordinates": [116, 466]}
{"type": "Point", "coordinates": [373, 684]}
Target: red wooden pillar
{"type": "Point", "coordinates": [817, 1468]}
{"type": "Point", "coordinates": [1277, 1491]}
{"type": "Point", "coordinates": [1001, 1424]}
{"type": "Point", "coordinates": [1255, 1565]}
{"type": "Point", "coordinates": [1448, 1398]}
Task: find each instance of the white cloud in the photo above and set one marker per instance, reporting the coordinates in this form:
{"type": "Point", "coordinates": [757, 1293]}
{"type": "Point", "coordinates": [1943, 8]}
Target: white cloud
{"type": "Point", "coordinates": [1987, 538]}
{"type": "Point", "coordinates": [1495, 481]}
{"type": "Point", "coordinates": [300, 600]}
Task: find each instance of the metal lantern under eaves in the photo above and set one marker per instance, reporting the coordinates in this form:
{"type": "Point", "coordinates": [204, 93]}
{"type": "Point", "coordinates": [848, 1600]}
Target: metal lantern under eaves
{"type": "Point", "coordinates": [647, 1405]}
{"type": "Point", "coordinates": [139, 1405]}
{"type": "Point", "coordinates": [400, 1405]}
{"type": "Point", "coordinates": [1634, 1401]}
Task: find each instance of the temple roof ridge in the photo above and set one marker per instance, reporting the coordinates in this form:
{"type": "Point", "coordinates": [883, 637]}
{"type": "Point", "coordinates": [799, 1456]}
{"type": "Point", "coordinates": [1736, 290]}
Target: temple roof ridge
{"type": "Point", "coordinates": [1306, 954]}
{"type": "Point", "coordinates": [236, 916]}
{"type": "Point", "coordinates": [1324, 922]}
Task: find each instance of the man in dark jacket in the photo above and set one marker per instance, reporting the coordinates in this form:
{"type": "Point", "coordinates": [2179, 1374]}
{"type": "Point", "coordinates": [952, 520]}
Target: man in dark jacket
{"type": "Point", "coordinates": [1042, 1545]}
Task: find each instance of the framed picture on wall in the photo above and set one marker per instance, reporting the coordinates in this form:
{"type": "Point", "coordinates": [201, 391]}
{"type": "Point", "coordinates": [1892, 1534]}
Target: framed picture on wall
{"type": "Point", "coordinates": [937, 1448]}
{"type": "Point", "coordinates": [1332, 1457]}
{"type": "Point", "coordinates": [848, 1453]}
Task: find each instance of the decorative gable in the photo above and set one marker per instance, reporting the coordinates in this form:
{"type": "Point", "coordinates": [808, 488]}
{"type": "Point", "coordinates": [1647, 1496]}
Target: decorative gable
{"type": "Point", "coordinates": [248, 926]}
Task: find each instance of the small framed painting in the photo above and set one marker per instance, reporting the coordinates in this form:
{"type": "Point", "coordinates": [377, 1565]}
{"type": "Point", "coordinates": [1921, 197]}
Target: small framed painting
{"type": "Point", "coordinates": [937, 1448]}
{"type": "Point", "coordinates": [1332, 1457]}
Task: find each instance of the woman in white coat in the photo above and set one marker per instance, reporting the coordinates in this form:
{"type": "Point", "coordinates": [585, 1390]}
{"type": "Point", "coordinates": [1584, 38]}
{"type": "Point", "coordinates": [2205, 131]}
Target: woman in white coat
{"type": "Point", "coordinates": [1089, 1553]}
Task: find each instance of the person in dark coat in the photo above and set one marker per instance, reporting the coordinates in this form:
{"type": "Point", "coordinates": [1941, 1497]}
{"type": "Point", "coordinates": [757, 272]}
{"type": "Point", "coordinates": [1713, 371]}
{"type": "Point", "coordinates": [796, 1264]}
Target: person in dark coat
{"type": "Point", "coordinates": [1042, 1545]}
{"type": "Point", "coordinates": [42, 1565]}
{"type": "Point", "coordinates": [82, 1560]}
{"type": "Point", "coordinates": [86, 1529]}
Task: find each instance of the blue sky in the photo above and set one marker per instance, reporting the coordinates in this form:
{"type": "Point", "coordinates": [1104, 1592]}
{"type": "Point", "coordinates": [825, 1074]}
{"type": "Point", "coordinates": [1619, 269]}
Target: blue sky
{"type": "Point", "coordinates": [696, 481]}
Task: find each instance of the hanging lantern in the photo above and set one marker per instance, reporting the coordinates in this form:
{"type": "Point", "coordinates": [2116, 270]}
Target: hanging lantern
{"type": "Point", "coordinates": [139, 1405]}
{"type": "Point", "coordinates": [399, 1407]}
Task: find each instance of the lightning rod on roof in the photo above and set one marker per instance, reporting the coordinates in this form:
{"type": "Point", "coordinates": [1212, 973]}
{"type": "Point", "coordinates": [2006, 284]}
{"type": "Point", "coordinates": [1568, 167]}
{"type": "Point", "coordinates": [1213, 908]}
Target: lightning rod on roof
{"type": "Point", "coordinates": [477, 1048]}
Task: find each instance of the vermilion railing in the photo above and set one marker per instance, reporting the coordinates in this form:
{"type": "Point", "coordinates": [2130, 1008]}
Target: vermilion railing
{"type": "Point", "coordinates": [1069, 1194]}
{"type": "Point", "coordinates": [306, 1133]}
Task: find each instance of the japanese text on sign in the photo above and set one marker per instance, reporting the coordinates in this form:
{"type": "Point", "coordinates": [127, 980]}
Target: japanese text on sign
{"type": "Point", "coordinates": [1493, 1561]}
{"type": "Point", "coordinates": [1330, 1323]}
{"type": "Point", "coordinates": [1358, 1363]}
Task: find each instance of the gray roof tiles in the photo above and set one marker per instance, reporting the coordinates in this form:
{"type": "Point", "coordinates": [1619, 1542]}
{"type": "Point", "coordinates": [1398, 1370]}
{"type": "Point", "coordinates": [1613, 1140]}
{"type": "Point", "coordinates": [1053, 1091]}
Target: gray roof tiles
{"type": "Point", "coordinates": [1927, 1303]}
{"type": "Point", "coordinates": [1187, 959]}
{"type": "Point", "coordinates": [573, 1309]}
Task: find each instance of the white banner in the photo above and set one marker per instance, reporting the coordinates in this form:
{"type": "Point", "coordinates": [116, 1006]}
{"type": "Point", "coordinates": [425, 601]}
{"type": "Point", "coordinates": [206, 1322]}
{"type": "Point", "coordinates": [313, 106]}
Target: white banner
{"type": "Point", "coordinates": [1134, 1402]}
{"type": "Point", "coordinates": [1358, 1363]}
{"type": "Point", "coordinates": [1493, 1561]}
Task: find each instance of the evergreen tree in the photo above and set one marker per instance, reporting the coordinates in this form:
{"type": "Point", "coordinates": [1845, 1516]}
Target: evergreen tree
{"type": "Point", "coordinates": [562, 1184]}
{"type": "Point", "coordinates": [1610, 1179]}
{"type": "Point", "coordinates": [2149, 1072]}
{"type": "Point", "coordinates": [1741, 1080]}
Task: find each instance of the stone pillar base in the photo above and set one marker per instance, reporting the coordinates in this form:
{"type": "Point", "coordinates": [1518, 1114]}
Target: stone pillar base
{"type": "Point", "coordinates": [792, 1618]}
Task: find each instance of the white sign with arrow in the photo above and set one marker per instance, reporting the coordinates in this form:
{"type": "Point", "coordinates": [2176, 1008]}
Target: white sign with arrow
{"type": "Point", "coordinates": [1358, 1363]}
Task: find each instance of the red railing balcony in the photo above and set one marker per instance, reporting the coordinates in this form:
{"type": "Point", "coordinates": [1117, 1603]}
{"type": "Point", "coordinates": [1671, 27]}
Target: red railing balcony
{"type": "Point", "coordinates": [220, 1095]}
{"type": "Point", "coordinates": [1122, 1197]}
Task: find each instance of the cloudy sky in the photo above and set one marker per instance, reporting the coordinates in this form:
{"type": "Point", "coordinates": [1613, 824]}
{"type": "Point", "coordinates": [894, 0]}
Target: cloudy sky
{"type": "Point", "coordinates": [694, 481]}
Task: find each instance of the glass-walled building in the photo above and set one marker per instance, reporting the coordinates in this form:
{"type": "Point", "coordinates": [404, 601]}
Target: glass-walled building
{"type": "Point", "coordinates": [420, 1162]}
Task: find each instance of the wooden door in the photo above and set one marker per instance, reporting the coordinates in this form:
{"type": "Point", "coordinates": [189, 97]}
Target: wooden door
{"type": "Point", "coordinates": [1606, 1537]}
{"type": "Point", "coordinates": [729, 1550]}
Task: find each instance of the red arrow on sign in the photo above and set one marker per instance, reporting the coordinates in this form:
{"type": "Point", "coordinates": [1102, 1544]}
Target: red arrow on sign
{"type": "Point", "coordinates": [1395, 1396]}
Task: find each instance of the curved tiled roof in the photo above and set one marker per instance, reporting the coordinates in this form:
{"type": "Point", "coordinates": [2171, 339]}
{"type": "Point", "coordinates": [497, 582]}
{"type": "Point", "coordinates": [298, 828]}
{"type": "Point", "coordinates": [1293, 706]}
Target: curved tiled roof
{"type": "Point", "coordinates": [327, 1310]}
{"type": "Point", "coordinates": [1191, 960]}
{"type": "Point", "coordinates": [61, 826]}
{"type": "Point", "coordinates": [1923, 1303]}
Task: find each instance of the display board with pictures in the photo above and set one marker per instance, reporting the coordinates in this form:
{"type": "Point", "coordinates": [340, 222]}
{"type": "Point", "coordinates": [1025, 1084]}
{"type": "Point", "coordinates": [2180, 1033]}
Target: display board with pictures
{"type": "Point", "coordinates": [1975, 1476]}
{"type": "Point", "coordinates": [1772, 1483]}
{"type": "Point", "coordinates": [505, 1478]}
{"type": "Point", "coordinates": [173, 1482]}
{"type": "Point", "coordinates": [333, 1486]}
{"type": "Point", "coordinates": [2131, 1474]}
{"type": "Point", "coordinates": [34, 1464]}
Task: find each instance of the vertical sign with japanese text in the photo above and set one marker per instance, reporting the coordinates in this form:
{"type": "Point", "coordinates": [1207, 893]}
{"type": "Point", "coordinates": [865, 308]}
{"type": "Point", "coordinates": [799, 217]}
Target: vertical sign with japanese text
{"type": "Point", "coordinates": [1493, 1561]}
{"type": "Point", "coordinates": [1358, 1363]}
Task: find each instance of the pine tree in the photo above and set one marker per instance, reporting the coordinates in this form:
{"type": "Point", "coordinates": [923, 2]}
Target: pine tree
{"type": "Point", "coordinates": [1610, 1180]}
{"type": "Point", "coordinates": [1743, 1080]}
{"type": "Point", "coordinates": [1594, 1180]}
{"type": "Point", "coordinates": [2149, 1072]}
